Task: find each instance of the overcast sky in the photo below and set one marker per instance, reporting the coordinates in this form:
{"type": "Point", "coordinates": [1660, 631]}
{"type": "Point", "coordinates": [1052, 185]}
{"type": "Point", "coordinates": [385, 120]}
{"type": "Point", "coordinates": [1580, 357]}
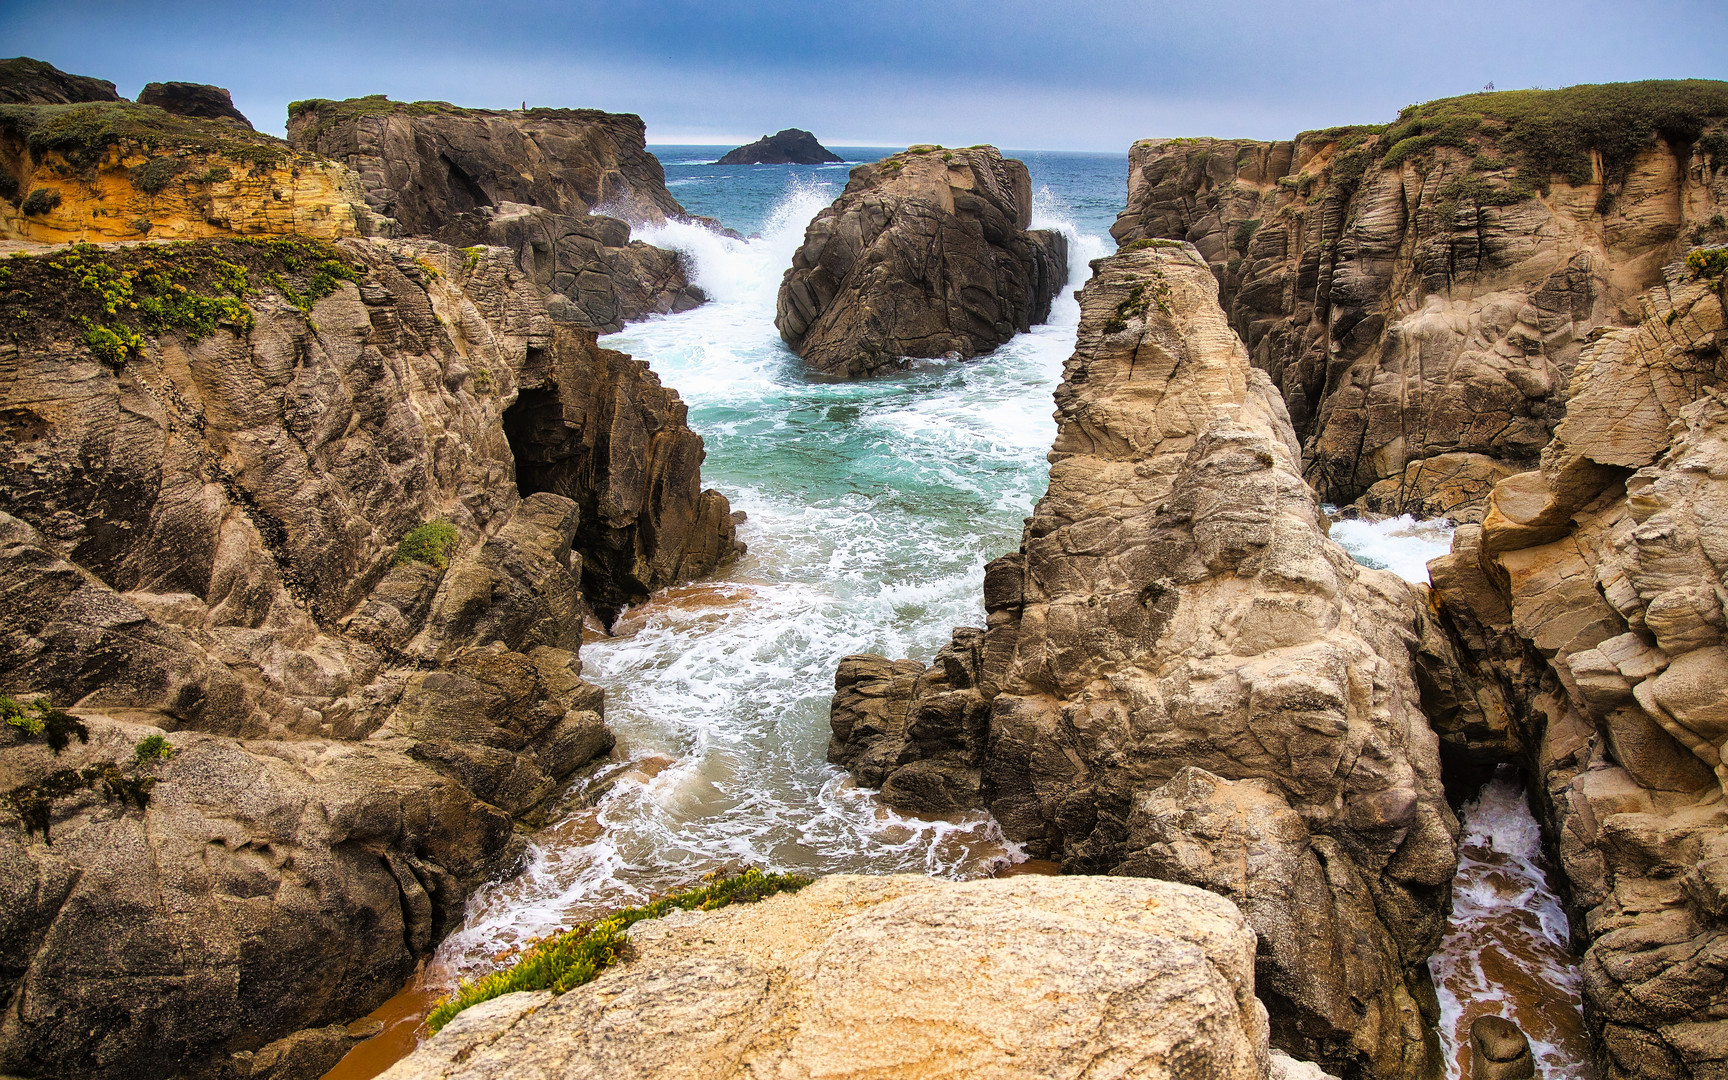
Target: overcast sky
{"type": "Point", "coordinates": [1021, 75]}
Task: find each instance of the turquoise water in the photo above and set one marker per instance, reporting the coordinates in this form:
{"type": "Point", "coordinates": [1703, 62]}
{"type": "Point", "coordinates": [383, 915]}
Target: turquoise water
{"type": "Point", "coordinates": [872, 508]}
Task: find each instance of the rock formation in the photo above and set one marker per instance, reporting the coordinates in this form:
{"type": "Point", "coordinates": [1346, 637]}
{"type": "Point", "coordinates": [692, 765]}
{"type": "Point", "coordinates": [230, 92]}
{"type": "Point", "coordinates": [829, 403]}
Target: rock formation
{"type": "Point", "coordinates": [111, 170]}
{"type": "Point", "coordinates": [1590, 600]}
{"type": "Point", "coordinates": [24, 81]}
{"type": "Point", "coordinates": [1420, 292]}
{"type": "Point", "coordinates": [901, 976]}
{"type": "Point", "coordinates": [925, 254]}
{"type": "Point", "coordinates": [192, 99]}
{"type": "Point", "coordinates": [559, 187]}
{"type": "Point", "coordinates": [793, 146]}
{"type": "Point", "coordinates": [325, 515]}
{"type": "Point", "coordinates": [1182, 677]}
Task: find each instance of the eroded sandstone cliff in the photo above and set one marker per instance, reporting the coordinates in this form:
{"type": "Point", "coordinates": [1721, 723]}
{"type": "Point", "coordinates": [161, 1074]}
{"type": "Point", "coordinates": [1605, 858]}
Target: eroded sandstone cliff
{"type": "Point", "coordinates": [1421, 292]}
{"type": "Point", "coordinates": [324, 515]}
{"type": "Point", "coordinates": [1592, 598]}
{"type": "Point", "coordinates": [559, 187]}
{"type": "Point", "coordinates": [1182, 677]}
{"type": "Point", "coordinates": [926, 253]}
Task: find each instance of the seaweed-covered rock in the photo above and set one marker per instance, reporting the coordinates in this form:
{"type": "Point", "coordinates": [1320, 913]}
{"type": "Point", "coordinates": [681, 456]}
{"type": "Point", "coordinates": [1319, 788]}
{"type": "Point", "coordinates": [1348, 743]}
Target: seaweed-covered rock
{"type": "Point", "coordinates": [926, 253]}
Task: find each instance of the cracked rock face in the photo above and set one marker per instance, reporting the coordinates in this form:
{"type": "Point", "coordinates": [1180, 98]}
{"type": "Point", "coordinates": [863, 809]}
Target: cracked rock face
{"type": "Point", "coordinates": [1591, 595]}
{"type": "Point", "coordinates": [925, 254]}
{"type": "Point", "coordinates": [857, 977]}
{"type": "Point", "coordinates": [1420, 320]}
{"type": "Point", "coordinates": [1182, 677]}
{"type": "Point", "coordinates": [203, 542]}
{"type": "Point", "coordinates": [559, 187]}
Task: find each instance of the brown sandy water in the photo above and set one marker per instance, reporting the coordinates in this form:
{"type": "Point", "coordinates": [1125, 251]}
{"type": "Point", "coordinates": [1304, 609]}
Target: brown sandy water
{"type": "Point", "coordinates": [1506, 952]}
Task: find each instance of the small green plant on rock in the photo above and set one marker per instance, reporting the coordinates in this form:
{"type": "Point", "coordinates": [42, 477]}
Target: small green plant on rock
{"type": "Point", "coordinates": [40, 717]}
{"type": "Point", "coordinates": [40, 202]}
{"type": "Point", "coordinates": [430, 543]}
{"type": "Point", "coordinates": [565, 961]}
{"type": "Point", "coordinates": [151, 749]}
{"type": "Point", "coordinates": [1708, 263]}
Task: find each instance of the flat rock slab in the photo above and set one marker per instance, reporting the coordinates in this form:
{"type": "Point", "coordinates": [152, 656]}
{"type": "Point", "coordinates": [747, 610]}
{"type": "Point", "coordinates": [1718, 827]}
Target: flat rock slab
{"type": "Point", "coordinates": [899, 976]}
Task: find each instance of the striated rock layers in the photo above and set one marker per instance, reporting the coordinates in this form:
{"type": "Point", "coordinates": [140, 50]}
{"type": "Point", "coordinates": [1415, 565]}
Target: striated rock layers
{"type": "Point", "coordinates": [199, 536]}
{"type": "Point", "coordinates": [793, 146]}
{"type": "Point", "coordinates": [925, 254]}
{"type": "Point", "coordinates": [559, 187]}
{"type": "Point", "coordinates": [1591, 600]}
{"type": "Point", "coordinates": [1421, 292]}
{"type": "Point", "coordinates": [903, 976]}
{"type": "Point", "coordinates": [1182, 677]}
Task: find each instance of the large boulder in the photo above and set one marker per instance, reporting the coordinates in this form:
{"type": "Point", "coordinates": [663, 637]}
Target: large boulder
{"type": "Point", "coordinates": [860, 977]}
{"type": "Point", "coordinates": [1182, 677]}
{"type": "Point", "coordinates": [192, 99]}
{"type": "Point", "coordinates": [1590, 598]}
{"type": "Point", "coordinates": [337, 543]}
{"type": "Point", "coordinates": [793, 146]}
{"type": "Point", "coordinates": [24, 81]}
{"type": "Point", "coordinates": [926, 253]}
{"type": "Point", "coordinates": [1421, 292]}
{"type": "Point", "coordinates": [560, 187]}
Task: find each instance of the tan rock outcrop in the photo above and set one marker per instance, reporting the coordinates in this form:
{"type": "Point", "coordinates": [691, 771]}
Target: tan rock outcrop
{"type": "Point", "coordinates": [926, 253]}
{"type": "Point", "coordinates": [1181, 676]}
{"type": "Point", "coordinates": [559, 187]}
{"type": "Point", "coordinates": [903, 976]}
{"type": "Point", "coordinates": [201, 535]}
{"type": "Point", "coordinates": [1421, 293]}
{"type": "Point", "coordinates": [1600, 577]}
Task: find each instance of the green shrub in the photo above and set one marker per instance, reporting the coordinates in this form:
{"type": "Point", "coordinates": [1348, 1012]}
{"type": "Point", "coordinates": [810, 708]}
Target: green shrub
{"type": "Point", "coordinates": [565, 961]}
{"type": "Point", "coordinates": [8, 186]}
{"type": "Point", "coordinates": [156, 174]}
{"type": "Point", "coordinates": [151, 749]}
{"type": "Point", "coordinates": [39, 717]}
{"type": "Point", "coordinates": [40, 202]}
{"type": "Point", "coordinates": [430, 543]}
{"type": "Point", "coordinates": [1245, 231]}
{"type": "Point", "coordinates": [1708, 262]}
{"type": "Point", "coordinates": [1150, 242]}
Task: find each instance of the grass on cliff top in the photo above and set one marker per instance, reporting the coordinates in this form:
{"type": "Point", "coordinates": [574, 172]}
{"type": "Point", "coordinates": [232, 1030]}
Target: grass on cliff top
{"type": "Point", "coordinates": [110, 297]}
{"type": "Point", "coordinates": [331, 113]}
{"type": "Point", "coordinates": [1554, 132]}
{"type": "Point", "coordinates": [83, 133]}
{"type": "Point", "coordinates": [565, 961]}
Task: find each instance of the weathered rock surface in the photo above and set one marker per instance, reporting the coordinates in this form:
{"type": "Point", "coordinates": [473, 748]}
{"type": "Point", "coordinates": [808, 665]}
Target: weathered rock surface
{"type": "Point", "coordinates": [192, 99]}
{"type": "Point", "coordinates": [559, 187]}
{"type": "Point", "coordinates": [1421, 293]}
{"type": "Point", "coordinates": [1182, 677]}
{"type": "Point", "coordinates": [926, 253]}
{"type": "Point", "coordinates": [203, 540]}
{"type": "Point", "coordinates": [898, 976]}
{"type": "Point", "coordinates": [1590, 598]}
{"type": "Point", "coordinates": [793, 146]}
{"type": "Point", "coordinates": [24, 81]}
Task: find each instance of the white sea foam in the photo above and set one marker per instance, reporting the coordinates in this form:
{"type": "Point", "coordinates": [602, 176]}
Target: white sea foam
{"type": "Point", "coordinates": [1402, 545]}
{"type": "Point", "coordinates": [873, 507]}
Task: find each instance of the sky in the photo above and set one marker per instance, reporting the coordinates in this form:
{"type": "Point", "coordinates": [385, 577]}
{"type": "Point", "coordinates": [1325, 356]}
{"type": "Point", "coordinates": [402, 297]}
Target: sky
{"type": "Point", "coordinates": [1021, 75]}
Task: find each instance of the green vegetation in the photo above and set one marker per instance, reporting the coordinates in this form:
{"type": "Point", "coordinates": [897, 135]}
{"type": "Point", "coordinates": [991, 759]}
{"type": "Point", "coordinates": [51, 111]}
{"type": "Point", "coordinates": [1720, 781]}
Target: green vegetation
{"type": "Point", "coordinates": [331, 113]}
{"type": "Point", "coordinates": [430, 543]}
{"type": "Point", "coordinates": [8, 186]}
{"type": "Point", "coordinates": [156, 174]}
{"type": "Point", "coordinates": [1139, 301]}
{"type": "Point", "coordinates": [1149, 242]}
{"type": "Point", "coordinates": [565, 961]}
{"type": "Point", "coordinates": [483, 380]}
{"type": "Point", "coordinates": [113, 296]}
{"type": "Point", "coordinates": [151, 749]}
{"type": "Point", "coordinates": [1708, 263]}
{"type": "Point", "coordinates": [1245, 231]}
{"type": "Point", "coordinates": [471, 256]}
{"type": "Point", "coordinates": [40, 202]}
{"type": "Point", "coordinates": [39, 717]}
{"type": "Point", "coordinates": [32, 802]}
{"type": "Point", "coordinates": [1555, 132]}
{"type": "Point", "coordinates": [83, 134]}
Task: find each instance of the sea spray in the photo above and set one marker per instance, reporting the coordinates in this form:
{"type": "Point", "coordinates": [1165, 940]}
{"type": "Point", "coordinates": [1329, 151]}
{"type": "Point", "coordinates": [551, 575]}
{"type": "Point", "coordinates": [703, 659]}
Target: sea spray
{"type": "Point", "coordinates": [872, 509]}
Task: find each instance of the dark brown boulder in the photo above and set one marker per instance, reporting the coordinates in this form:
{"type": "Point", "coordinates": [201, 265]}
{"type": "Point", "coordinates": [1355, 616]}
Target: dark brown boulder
{"type": "Point", "coordinates": [24, 81]}
{"type": "Point", "coordinates": [192, 99]}
{"type": "Point", "coordinates": [925, 254]}
{"type": "Point", "coordinates": [793, 146]}
{"type": "Point", "coordinates": [1499, 1051]}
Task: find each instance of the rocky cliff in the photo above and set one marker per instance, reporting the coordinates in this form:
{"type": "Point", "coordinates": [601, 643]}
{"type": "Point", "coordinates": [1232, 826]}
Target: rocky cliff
{"type": "Point", "coordinates": [926, 253]}
{"type": "Point", "coordinates": [1591, 596]}
{"type": "Point", "coordinates": [1420, 292]}
{"type": "Point", "coordinates": [1182, 677]}
{"type": "Point", "coordinates": [860, 977]}
{"type": "Point", "coordinates": [24, 81]}
{"type": "Point", "coordinates": [792, 146]}
{"type": "Point", "coordinates": [325, 516]}
{"type": "Point", "coordinates": [559, 187]}
{"type": "Point", "coordinates": [193, 99]}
